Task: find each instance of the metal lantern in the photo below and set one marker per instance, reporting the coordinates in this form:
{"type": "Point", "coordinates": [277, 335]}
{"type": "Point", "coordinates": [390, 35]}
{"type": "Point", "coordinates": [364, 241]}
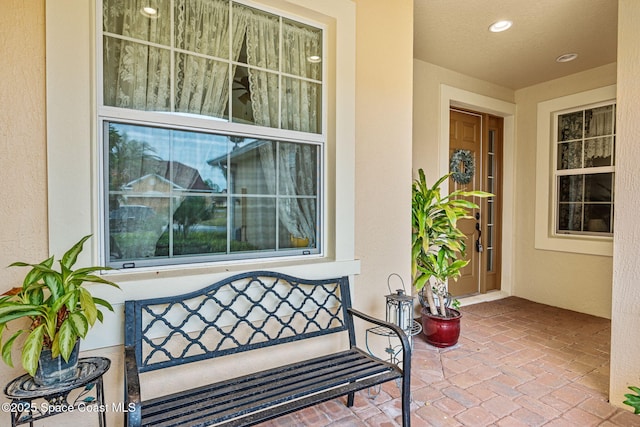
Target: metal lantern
{"type": "Point", "coordinates": [400, 309]}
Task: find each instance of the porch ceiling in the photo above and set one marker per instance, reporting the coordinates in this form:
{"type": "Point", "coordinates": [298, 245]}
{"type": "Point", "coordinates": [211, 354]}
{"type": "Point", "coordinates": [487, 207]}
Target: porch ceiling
{"type": "Point", "coordinates": [454, 34]}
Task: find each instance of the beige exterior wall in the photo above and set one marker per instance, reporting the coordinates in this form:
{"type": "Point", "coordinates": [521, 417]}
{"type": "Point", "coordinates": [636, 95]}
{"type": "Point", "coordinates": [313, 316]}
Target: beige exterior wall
{"type": "Point", "coordinates": [625, 341]}
{"type": "Point", "coordinates": [384, 89]}
{"type": "Point", "coordinates": [427, 111]}
{"type": "Point", "coordinates": [23, 160]}
{"type": "Point", "coordinates": [574, 281]}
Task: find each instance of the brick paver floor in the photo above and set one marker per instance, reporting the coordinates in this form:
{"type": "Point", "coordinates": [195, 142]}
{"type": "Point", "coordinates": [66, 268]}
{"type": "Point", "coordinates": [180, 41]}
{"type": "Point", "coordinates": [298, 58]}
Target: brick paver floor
{"type": "Point", "coordinates": [517, 363]}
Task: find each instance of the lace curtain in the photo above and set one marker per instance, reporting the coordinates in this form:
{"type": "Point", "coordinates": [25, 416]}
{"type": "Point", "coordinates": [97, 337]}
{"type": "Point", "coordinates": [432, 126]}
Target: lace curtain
{"type": "Point", "coordinates": [600, 123]}
{"type": "Point", "coordinates": [589, 138]}
{"type": "Point", "coordinates": [202, 26]}
{"type": "Point", "coordinates": [136, 75]}
{"type": "Point", "coordinates": [140, 75]}
{"type": "Point", "coordinates": [299, 112]}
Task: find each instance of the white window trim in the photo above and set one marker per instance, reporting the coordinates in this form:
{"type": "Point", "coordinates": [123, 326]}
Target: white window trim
{"type": "Point", "coordinates": [557, 173]}
{"type": "Point", "coordinates": [214, 126]}
{"type": "Point", "coordinates": [73, 164]}
{"type": "Point", "coordinates": [545, 235]}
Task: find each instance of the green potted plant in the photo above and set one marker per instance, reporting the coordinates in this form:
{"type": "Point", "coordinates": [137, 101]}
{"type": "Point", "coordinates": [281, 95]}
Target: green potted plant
{"type": "Point", "coordinates": [633, 400]}
{"type": "Point", "coordinates": [60, 311]}
{"type": "Point", "coordinates": [437, 253]}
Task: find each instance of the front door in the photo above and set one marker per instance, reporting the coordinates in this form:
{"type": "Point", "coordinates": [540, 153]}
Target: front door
{"type": "Point", "coordinates": [475, 148]}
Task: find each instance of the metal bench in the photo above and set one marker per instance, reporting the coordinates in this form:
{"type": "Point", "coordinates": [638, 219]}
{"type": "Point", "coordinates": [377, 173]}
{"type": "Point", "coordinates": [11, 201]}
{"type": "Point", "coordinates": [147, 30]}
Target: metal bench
{"type": "Point", "coordinates": [245, 313]}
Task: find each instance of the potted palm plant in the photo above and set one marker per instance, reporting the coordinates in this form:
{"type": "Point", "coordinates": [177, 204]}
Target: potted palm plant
{"type": "Point", "coordinates": [438, 249]}
{"type": "Point", "coordinates": [60, 311]}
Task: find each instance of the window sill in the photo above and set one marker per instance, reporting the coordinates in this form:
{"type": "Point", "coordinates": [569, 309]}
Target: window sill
{"type": "Point", "coordinates": [146, 282]}
{"type": "Point", "coordinates": [588, 245]}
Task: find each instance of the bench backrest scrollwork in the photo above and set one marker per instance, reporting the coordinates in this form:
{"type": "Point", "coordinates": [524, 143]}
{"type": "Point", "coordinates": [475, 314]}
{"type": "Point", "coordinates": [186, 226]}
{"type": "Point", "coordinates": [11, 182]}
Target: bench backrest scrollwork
{"type": "Point", "coordinates": [240, 313]}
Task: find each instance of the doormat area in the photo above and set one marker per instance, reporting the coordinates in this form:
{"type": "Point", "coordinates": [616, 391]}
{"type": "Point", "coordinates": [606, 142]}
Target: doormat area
{"type": "Point", "coordinates": [497, 307]}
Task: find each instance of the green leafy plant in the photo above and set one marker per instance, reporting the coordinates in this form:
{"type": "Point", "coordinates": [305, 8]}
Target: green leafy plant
{"type": "Point", "coordinates": [438, 245]}
{"type": "Point", "coordinates": [633, 400]}
{"type": "Point", "coordinates": [59, 308]}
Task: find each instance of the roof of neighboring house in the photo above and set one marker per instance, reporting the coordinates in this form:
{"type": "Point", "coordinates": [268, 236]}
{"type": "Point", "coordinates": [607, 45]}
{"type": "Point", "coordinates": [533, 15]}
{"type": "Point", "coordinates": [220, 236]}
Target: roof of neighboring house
{"type": "Point", "coordinates": [177, 174]}
{"type": "Point", "coordinates": [239, 152]}
{"type": "Point", "coordinates": [157, 177]}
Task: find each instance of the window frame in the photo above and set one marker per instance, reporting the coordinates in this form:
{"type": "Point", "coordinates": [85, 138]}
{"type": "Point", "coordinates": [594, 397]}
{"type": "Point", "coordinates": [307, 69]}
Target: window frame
{"type": "Point", "coordinates": [583, 171]}
{"type": "Point", "coordinates": [545, 236]}
{"type": "Point", "coordinates": [187, 122]}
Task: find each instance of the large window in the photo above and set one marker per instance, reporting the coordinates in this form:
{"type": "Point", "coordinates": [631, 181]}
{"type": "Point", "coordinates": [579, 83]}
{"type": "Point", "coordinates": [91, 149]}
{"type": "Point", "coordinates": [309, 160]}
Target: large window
{"type": "Point", "coordinates": [584, 171]}
{"type": "Point", "coordinates": [213, 132]}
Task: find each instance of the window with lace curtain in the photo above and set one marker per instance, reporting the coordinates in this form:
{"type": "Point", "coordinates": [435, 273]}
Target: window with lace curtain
{"type": "Point", "coordinates": [212, 132]}
{"type": "Point", "coordinates": [584, 172]}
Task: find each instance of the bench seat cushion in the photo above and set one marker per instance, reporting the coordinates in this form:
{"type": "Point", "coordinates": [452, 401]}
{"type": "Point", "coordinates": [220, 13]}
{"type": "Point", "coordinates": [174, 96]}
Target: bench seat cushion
{"type": "Point", "coordinates": [249, 399]}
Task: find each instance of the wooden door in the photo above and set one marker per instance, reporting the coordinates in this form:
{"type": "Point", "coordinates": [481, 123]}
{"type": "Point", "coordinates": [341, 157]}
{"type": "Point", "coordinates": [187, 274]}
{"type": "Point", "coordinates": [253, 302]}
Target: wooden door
{"type": "Point", "coordinates": [475, 149]}
{"type": "Point", "coordinates": [465, 155]}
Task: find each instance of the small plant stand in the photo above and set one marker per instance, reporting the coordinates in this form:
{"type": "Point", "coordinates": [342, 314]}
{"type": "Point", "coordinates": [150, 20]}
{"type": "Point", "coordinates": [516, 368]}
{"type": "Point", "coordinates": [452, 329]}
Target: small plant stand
{"type": "Point", "coordinates": [393, 351]}
{"type": "Point", "coordinates": [31, 402]}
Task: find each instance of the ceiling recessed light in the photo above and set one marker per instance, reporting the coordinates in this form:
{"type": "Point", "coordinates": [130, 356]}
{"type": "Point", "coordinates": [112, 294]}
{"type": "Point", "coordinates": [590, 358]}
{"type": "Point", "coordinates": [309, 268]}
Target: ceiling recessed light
{"type": "Point", "coordinates": [567, 57]}
{"type": "Point", "coordinates": [149, 12]}
{"type": "Point", "coordinates": [499, 26]}
{"type": "Point", "coordinates": [314, 59]}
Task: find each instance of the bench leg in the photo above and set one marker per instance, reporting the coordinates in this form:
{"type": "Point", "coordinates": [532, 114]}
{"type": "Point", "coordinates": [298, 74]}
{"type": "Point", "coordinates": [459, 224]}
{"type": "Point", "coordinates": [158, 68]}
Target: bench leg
{"type": "Point", "coordinates": [350, 398]}
{"type": "Point", "coordinates": [406, 402]}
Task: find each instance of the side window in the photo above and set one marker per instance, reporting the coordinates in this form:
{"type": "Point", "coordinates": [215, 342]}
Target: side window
{"type": "Point", "coordinates": [584, 170]}
{"type": "Point", "coordinates": [212, 132]}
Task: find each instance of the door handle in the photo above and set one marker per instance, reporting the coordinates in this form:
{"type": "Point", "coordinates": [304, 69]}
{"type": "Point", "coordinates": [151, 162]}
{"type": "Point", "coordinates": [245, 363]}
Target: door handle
{"type": "Point", "coordinates": [479, 247]}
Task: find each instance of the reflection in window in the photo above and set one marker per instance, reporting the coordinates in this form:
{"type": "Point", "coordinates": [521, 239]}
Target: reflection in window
{"type": "Point", "coordinates": [585, 171]}
{"type": "Point", "coordinates": [176, 194]}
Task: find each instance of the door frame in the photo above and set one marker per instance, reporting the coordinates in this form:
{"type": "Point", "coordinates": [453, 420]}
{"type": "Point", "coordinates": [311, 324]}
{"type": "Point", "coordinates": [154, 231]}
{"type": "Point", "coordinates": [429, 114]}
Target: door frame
{"type": "Point", "coordinates": [451, 97]}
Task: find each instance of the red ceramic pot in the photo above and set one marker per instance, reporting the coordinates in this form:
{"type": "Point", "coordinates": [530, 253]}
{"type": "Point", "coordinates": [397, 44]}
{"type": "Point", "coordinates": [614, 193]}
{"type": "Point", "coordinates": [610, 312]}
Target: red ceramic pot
{"type": "Point", "coordinates": [441, 331]}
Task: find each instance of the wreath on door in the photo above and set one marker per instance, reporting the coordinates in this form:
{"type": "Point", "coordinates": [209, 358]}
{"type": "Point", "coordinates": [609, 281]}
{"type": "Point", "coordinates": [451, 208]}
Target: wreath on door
{"type": "Point", "coordinates": [462, 166]}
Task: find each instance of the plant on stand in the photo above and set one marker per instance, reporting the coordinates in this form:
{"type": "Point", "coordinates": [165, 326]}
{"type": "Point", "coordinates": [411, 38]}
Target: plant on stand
{"type": "Point", "coordinates": [438, 245]}
{"type": "Point", "coordinates": [60, 311]}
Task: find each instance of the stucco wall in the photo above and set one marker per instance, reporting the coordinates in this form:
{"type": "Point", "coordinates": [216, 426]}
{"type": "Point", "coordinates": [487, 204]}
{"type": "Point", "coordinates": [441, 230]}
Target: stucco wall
{"type": "Point", "coordinates": [384, 85]}
{"type": "Point", "coordinates": [23, 162]}
{"type": "Point", "coordinates": [428, 79]}
{"type": "Point", "coordinates": [625, 338]}
{"type": "Point", "coordinates": [573, 281]}
{"type": "Point", "coordinates": [22, 136]}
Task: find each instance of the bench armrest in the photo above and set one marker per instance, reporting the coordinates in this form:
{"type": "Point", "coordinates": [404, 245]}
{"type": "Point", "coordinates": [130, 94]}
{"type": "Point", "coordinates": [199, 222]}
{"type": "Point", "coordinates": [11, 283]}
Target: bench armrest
{"type": "Point", "coordinates": [404, 340]}
{"type": "Point", "coordinates": [131, 388]}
